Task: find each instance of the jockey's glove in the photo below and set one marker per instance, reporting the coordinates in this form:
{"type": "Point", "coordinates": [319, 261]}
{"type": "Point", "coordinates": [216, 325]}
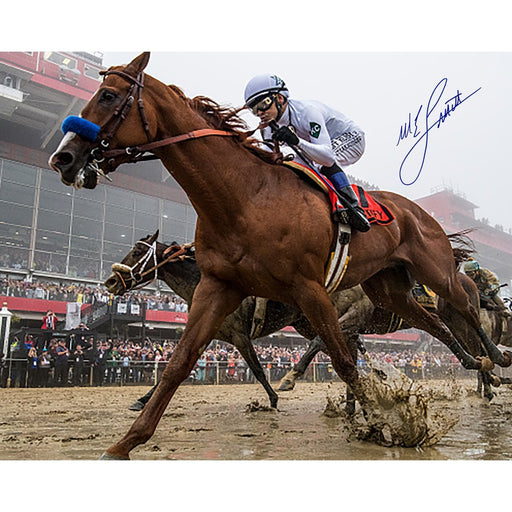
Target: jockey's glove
{"type": "Point", "coordinates": [284, 134]}
{"type": "Point", "coordinates": [492, 290]}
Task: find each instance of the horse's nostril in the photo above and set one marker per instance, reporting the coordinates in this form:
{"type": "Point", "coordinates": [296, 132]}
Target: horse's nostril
{"type": "Point", "coordinates": [64, 158]}
{"type": "Point", "coordinates": [61, 161]}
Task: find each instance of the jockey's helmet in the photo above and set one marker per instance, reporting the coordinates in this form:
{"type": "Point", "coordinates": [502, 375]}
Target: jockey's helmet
{"type": "Point", "coordinates": [471, 266]}
{"type": "Point", "coordinates": [262, 86]}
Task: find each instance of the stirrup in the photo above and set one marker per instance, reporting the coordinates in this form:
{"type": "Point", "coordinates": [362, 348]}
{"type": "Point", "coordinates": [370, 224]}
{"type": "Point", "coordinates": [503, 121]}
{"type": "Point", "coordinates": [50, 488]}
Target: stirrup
{"type": "Point", "coordinates": [341, 215]}
{"type": "Point", "coordinates": [358, 219]}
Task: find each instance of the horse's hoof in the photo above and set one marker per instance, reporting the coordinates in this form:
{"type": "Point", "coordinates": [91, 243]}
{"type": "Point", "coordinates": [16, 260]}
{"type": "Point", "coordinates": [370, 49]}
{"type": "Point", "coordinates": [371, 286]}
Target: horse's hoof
{"type": "Point", "coordinates": [109, 456]}
{"type": "Point", "coordinates": [486, 364]}
{"type": "Point", "coordinates": [507, 356]}
{"type": "Point", "coordinates": [286, 385]}
{"type": "Point", "coordinates": [496, 381]}
{"type": "Point", "coordinates": [136, 406]}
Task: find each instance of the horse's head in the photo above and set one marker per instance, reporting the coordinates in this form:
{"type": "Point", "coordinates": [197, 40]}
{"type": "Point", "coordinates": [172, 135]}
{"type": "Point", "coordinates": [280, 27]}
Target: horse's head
{"type": "Point", "coordinates": [137, 268]}
{"type": "Point", "coordinates": [107, 122]}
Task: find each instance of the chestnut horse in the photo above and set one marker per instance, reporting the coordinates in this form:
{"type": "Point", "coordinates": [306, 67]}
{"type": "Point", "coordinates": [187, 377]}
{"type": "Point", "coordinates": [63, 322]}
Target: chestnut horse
{"type": "Point", "coordinates": [260, 231]}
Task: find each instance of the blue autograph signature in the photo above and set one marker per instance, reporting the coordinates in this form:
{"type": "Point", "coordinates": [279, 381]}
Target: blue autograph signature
{"type": "Point", "coordinates": [427, 122]}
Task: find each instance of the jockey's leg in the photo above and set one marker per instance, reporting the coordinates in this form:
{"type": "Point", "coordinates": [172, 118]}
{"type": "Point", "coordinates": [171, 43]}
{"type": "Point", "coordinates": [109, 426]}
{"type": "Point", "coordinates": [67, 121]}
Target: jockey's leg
{"type": "Point", "coordinates": [347, 196]}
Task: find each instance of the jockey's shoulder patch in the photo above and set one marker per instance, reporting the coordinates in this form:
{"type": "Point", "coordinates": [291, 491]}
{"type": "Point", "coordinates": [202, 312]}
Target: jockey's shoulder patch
{"type": "Point", "coordinates": [314, 129]}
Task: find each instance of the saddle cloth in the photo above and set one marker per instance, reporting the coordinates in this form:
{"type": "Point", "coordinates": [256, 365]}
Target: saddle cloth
{"type": "Point", "coordinates": [376, 212]}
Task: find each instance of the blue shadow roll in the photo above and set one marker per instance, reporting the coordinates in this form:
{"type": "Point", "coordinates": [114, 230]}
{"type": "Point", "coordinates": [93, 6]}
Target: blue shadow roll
{"type": "Point", "coordinates": [85, 129]}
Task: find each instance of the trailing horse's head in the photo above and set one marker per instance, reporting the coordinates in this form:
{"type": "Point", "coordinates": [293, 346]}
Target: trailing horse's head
{"type": "Point", "coordinates": [136, 269]}
{"type": "Point", "coordinates": [107, 122]}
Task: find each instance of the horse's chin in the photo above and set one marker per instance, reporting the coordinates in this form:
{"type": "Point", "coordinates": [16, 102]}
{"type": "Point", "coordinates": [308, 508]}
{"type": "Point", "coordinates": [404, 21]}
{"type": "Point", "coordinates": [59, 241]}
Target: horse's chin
{"type": "Point", "coordinates": [84, 178]}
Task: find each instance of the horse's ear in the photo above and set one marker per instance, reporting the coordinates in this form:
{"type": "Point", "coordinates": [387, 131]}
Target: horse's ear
{"type": "Point", "coordinates": [138, 64]}
{"type": "Point", "coordinates": [154, 237]}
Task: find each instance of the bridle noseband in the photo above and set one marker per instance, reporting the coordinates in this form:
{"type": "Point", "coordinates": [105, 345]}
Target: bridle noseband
{"type": "Point", "coordinates": [138, 271]}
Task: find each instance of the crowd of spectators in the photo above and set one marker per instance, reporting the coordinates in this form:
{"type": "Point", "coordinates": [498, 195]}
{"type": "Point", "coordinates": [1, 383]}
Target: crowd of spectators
{"type": "Point", "coordinates": [82, 360]}
{"type": "Point", "coordinates": [48, 290]}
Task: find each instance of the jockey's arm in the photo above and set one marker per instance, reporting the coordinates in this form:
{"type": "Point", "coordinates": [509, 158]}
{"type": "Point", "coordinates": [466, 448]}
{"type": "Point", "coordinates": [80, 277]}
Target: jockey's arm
{"type": "Point", "coordinates": [491, 282]}
{"type": "Point", "coordinates": [318, 147]}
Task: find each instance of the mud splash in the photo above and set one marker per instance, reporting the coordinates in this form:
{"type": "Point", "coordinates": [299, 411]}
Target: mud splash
{"type": "Point", "coordinates": [255, 406]}
{"type": "Point", "coordinates": [399, 411]}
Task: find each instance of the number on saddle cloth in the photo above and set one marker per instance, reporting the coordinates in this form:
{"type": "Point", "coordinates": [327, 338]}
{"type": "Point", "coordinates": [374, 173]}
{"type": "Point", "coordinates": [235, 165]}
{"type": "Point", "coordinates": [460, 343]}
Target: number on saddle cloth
{"type": "Point", "coordinates": [82, 127]}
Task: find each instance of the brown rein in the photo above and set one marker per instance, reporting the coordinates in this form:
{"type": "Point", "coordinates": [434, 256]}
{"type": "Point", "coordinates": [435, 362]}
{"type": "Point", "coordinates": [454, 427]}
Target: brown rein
{"type": "Point", "coordinates": [135, 153]}
{"type": "Point", "coordinates": [196, 134]}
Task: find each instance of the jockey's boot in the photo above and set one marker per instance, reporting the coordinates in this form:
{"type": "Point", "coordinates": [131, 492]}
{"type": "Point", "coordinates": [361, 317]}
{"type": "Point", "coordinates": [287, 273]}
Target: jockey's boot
{"type": "Point", "coordinates": [356, 214]}
{"type": "Point", "coordinates": [347, 197]}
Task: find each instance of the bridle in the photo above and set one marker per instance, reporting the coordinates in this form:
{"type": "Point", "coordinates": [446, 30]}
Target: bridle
{"type": "Point", "coordinates": [132, 154]}
{"type": "Point", "coordinates": [133, 277]}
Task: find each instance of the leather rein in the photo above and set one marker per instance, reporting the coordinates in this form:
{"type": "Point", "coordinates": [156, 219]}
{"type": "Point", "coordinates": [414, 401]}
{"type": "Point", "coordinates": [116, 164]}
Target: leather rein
{"type": "Point", "coordinates": [133, 154]}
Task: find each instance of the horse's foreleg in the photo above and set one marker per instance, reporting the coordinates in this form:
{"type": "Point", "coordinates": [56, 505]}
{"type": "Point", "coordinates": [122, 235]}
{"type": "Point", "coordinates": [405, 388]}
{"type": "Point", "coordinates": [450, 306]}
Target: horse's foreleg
{"type": "Point", "coordinates": [213, 300]}
{"type": "Point", "coordinates": [487, 380]}
{"type": "Point", "coordinates": [247, 351]}
{"type": "Point", "coordinates": [288, 381]}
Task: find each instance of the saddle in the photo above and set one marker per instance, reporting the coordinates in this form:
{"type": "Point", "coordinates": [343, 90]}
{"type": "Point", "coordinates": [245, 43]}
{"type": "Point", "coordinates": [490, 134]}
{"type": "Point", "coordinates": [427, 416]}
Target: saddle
{"type": "Point", "coordinates": [376, 212]}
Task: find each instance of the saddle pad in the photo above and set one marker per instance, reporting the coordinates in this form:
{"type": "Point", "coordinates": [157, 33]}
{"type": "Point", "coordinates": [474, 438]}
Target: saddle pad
{"type": "Point", "coordinates": [376, 212]}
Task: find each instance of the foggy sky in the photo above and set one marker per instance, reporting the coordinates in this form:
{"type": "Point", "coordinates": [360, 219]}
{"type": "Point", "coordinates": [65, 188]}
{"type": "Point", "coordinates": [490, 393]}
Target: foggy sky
{"type": "Point", "coordinates": [468, 139]}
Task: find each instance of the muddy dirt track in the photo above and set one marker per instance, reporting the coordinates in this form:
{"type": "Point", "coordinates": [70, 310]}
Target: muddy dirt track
{"type": "Point", "coordinates": [214, 422]}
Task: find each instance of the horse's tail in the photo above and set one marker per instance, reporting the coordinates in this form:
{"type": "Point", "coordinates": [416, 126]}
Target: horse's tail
{"type": "Point", "coordinates": [462, 246]}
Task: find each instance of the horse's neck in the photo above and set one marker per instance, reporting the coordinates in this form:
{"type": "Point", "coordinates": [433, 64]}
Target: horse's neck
{"type": "Point", "coordinates": [182, 277]}
{"type": "Point", "coordinates": [215, 172]}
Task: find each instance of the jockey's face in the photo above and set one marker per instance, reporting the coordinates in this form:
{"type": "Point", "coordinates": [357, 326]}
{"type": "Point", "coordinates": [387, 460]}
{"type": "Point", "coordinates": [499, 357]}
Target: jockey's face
{"type": "Point", "coordinates": [269, 113]}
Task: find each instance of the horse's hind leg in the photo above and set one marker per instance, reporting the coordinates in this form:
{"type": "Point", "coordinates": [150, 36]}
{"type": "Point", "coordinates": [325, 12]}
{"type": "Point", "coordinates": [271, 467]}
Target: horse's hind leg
{"type": "Point", "coordinates": [316, 306]}
{"type": "Point", "coordinates": [449, 287]}
{"type": "Point", "coordinates": [350, 406]}
{"type": "Point", "coordinates": [390, 288]}
{"type": "Point", "coordinates": [288, 381]}
{"type": "Point", "coordinates": [213, 301]}
{"type": "Point", "coordinates": [141, 402]}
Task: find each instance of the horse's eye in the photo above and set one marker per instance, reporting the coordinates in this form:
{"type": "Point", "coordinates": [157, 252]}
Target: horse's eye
{"type": "Point", "coordinates": [107, 96]}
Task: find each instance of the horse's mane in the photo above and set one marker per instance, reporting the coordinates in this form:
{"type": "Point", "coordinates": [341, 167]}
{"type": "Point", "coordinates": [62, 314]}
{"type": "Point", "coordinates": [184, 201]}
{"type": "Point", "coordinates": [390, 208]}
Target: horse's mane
{"type": "Point", "coordinates": [225, 118]}
{"type": "Point", "coordinates": [464, 246]}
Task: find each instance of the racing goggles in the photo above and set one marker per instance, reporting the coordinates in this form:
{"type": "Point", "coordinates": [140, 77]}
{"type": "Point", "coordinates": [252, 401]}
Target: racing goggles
{"type": "Point", "coordinates": [262, 105]}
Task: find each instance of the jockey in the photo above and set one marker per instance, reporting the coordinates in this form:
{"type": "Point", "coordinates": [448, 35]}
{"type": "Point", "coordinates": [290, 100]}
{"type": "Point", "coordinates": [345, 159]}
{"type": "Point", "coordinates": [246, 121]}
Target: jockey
{"type": "Point", "coordinates": [487, 284]}
{"type": "Point", "coordinates": [322, 134]}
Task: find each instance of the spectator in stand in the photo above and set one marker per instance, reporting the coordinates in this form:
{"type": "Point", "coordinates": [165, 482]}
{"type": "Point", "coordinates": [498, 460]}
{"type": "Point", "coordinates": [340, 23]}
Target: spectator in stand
{"type": "Point", "coordinates": [49, 321]}
{"type": "Point", "coordinates": [78, 365]}
{"type": "Point", "coordinates": [125, 368]}
{"type": "Point", "coordinates": [32, 381]}
{"type": "Point", "coordinates": [100, 364]}
{"type": "Point", "coordinates": [44, 368]}
{"type": "Point", "coordinates": [201, 368]}
{"type": "Point", "coordinates": [61, 364]}
{"type": "Point", "coordinates": [113, 365]}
